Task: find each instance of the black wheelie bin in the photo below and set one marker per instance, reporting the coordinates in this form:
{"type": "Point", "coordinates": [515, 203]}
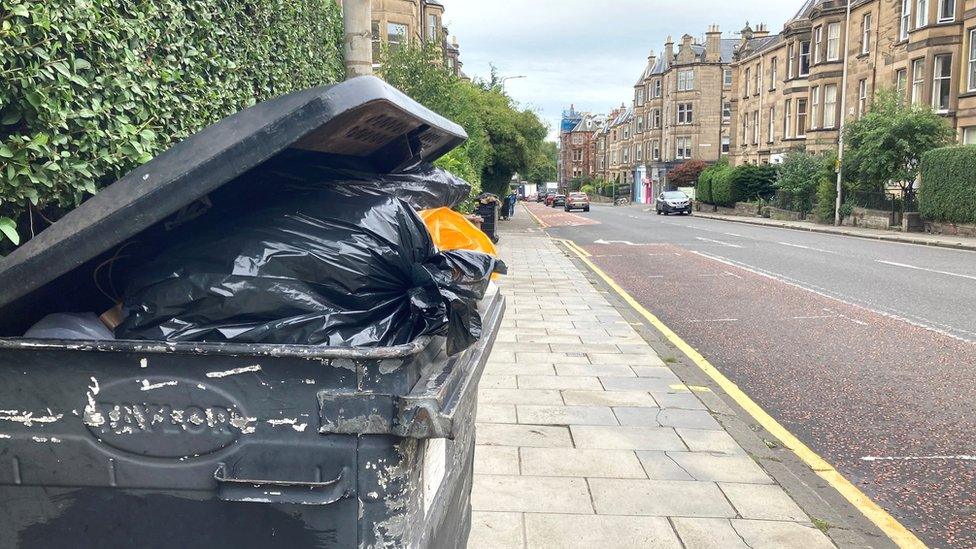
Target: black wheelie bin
{"type": "Point", "coordinates": [117, 443]}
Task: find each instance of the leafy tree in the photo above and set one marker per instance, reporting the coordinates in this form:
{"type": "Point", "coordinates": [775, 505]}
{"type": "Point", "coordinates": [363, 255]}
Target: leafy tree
{"type": "Point", "coordinates": [888, 142]}
{"type": "Point", "coordinates": [514, 135]}
{"type": "Point", "coordinates": [417, 72]}
{"type": "Point", "coordinates": [799, 175]}
{"type": "Point", "coordinates": [502, 139]}
{"type": "Point", "coordinates": [543, 167]}
{"type": "Point", "coordinates": [687, 172]}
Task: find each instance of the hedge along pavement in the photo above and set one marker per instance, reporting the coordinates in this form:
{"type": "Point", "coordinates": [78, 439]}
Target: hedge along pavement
{"type": "Point", "coordinates": [90, 89]}
{"type": "Point", "coordinates": [948, 189]}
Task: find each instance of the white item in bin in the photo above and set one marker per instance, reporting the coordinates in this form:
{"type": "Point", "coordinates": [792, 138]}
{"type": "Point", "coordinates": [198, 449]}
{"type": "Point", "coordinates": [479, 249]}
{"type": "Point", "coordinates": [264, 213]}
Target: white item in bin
{"type": "Point", "coordinates": [70, 326]}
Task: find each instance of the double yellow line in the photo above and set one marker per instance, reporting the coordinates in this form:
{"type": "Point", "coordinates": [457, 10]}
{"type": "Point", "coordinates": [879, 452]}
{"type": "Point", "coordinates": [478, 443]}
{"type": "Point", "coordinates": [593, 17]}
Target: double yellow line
{"type": "Point", "coordinates": [887, 523]}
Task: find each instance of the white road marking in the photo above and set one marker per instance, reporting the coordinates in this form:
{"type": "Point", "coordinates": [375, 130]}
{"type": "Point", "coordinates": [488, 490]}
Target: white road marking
{"type": "Point", "coordinates": [627, 242]}
{"type": "Point", "coordinates": [734, 234]}
{"type": "Point", "coordinates": [806, 247]}
{"type": "Point", "coordinates": [815, 317]}
{"type": "Point", "coordinates": [845, 317]}
{"type": "Point", "coordinates": [719, 275]}
{"type": "Point", "coordinates": [936, 271]}
{"type": "Point", "coordinates": [718, 242]}
{"type": "Point", "coordinates": [714, 320]}
{"type": "Point", "coordinates": [961, 457]}
{"type": "Point", "coordinates": [939, 328]}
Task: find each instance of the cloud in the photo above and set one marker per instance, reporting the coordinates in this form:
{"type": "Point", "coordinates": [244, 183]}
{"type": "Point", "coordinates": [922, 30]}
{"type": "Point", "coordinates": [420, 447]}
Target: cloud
{"type": "Point", "coordinates": [587, 53]}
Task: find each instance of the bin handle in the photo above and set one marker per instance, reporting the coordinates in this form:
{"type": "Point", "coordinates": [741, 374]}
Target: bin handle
{"type": "Point", "coordinates": [282, 491]}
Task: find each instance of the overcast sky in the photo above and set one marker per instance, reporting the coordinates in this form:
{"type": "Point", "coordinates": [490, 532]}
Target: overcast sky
{"type": "Point", "coordinates": [584, 52]}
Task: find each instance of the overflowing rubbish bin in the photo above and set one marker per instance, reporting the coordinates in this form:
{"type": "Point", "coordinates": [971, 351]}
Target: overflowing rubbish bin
{"type": "Point", "coordinates": [295, 362]}
{"type": "Point", "coordinates": [488, 208]}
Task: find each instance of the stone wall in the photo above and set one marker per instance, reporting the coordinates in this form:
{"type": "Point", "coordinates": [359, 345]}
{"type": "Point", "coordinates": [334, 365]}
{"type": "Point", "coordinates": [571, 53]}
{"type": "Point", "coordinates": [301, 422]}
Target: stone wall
{"type": "Point", "coordinates": [950, 229]}
{"type": "Point", "coordinates": [872, 219]}
{"type": "Point", "coordinates": [747, 208]}
{"type": "Point", "coordinates": [780, 214]}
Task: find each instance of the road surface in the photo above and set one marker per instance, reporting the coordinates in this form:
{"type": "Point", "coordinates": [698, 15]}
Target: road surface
{"type": "Point", "coordinates": [865, 350]}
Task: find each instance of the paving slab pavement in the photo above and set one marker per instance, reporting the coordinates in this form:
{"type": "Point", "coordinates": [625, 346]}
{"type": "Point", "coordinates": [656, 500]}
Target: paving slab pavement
{"type": "Point", "coordinates": [596, 442]}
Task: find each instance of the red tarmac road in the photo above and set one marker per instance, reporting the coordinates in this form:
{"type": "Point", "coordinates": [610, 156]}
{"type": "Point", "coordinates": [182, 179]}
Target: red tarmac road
{"type": "Point", "coordinates": [862, 389]}
{"type": "Point", "coordinates": [557, 217]}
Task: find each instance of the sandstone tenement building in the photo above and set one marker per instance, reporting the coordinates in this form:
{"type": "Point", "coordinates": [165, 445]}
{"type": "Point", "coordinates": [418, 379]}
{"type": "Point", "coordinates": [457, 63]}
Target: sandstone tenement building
{"type": "Point", "coordinates": [396, 22]}
{"type": "Point", "coordinates": [757, 96]}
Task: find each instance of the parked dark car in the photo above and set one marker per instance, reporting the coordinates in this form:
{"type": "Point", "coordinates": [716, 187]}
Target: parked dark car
{"type": "Point", "coordinates": [559, 200]}
{"type": "Point", "coordinates": [673, 202]}
{"type": "Point", "coordinates": [578, 201]}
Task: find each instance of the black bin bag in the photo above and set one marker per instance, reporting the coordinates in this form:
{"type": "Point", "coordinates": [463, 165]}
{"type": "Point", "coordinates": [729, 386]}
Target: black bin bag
{"type": "Point", "coordinates": [334, 265]}
{"type": "Point", "coordinates": [421, 184]}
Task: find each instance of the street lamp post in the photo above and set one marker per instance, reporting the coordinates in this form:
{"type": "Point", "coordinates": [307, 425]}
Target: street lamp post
{"type": "Point", "coordinates": [843, 118]}
{"type": "Point", "coordinates": [358, 43]}
{"type": "Point", "coordinates": [502, 80]}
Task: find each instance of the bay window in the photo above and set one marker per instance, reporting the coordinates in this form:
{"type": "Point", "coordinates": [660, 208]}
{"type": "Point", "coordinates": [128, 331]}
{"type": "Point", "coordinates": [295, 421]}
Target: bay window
{"type": "Point", "coordinates": [941, 79]}
{"type": "Point", "coordinates": [787, 120]}
{"type": "Point", "coordinates": [921, 13]}
{"type": "Point", "coordinates": [801, 117]}
{"type": "Point", "coordinates": [805, 58]}
{"type": "Point", "coordinates": [947, 11]}
{"type": "Point", "coordinates": [906, 19]}
{"type": "Point", "coordinates": [972, 60]}
{"type": "Point", "coordinates": [833, 42]}
{"type": "Point", "coordinates": [918, 80]}
{"type": "Point", "coordinates": [814, 106]}
{"type": "Point", "coordinates": [830, 106]}
{"type": "Point", "coordinates": [817, 44]}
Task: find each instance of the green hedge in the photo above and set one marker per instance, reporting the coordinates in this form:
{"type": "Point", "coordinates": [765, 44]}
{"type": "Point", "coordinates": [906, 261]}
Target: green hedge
{"type": "Point", "coordinates": [723, 185]}
{"type": "Point", "coordinates": [707, 180]}
{"type": "Point", "coordinates": [948, 190]}
{"type": "Point", "coordinates": [723, 194]}
{"type": "Point", "coordinates": [89, 89]}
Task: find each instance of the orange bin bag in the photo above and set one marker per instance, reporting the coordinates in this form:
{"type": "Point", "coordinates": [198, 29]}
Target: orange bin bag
{"type": "Point", "coordinates": [451, 231]}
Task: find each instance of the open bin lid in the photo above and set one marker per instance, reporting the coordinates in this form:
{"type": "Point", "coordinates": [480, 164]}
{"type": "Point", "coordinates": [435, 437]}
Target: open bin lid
{"type": "Point", "coordinates": [362, 123]}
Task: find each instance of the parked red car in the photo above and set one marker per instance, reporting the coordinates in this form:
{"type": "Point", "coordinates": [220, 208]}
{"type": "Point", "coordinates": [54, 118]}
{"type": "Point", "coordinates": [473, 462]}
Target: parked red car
{"type": "Point", "coordinates": [549, 198]}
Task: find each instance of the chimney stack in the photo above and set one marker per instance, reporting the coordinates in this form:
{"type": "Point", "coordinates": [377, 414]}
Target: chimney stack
{"type": "Point", "coordinates": [713, 44]}
{"type": "Point", "coordinates": [761, 31]}
{"type": "Point", "coordinates": [668, 52]}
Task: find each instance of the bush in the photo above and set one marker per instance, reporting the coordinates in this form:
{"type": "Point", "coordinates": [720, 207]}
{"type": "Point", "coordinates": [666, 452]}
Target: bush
{"type": "Point", "coordinates": [722, 192]}
{"type": "Point", "coordinates": [827, 200]}
{"type": "Point", "coordinates": [687, 173]}
{"type": "Point", "coordinates": [798, 178]}
{"type": "Point", "coordinates": [948, 189]}
{"type": "Point", "coordinates": [706, 181]}
{"type": "Point", "coordinates": [750, 182]}
{"type": "Point", "coordinates": [90, 89]}
{"type": "Point", "coordinates": [742, 183]}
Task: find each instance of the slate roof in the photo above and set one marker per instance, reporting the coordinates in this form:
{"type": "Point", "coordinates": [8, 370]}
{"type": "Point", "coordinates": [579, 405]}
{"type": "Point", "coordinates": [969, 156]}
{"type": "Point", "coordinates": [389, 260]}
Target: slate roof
{"type": "Point", "coordinates": [727, 48]}
{"type": "Point", "coordinates": [805, 9]}
{"type": "Point", "coordinates": [590, 123]}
